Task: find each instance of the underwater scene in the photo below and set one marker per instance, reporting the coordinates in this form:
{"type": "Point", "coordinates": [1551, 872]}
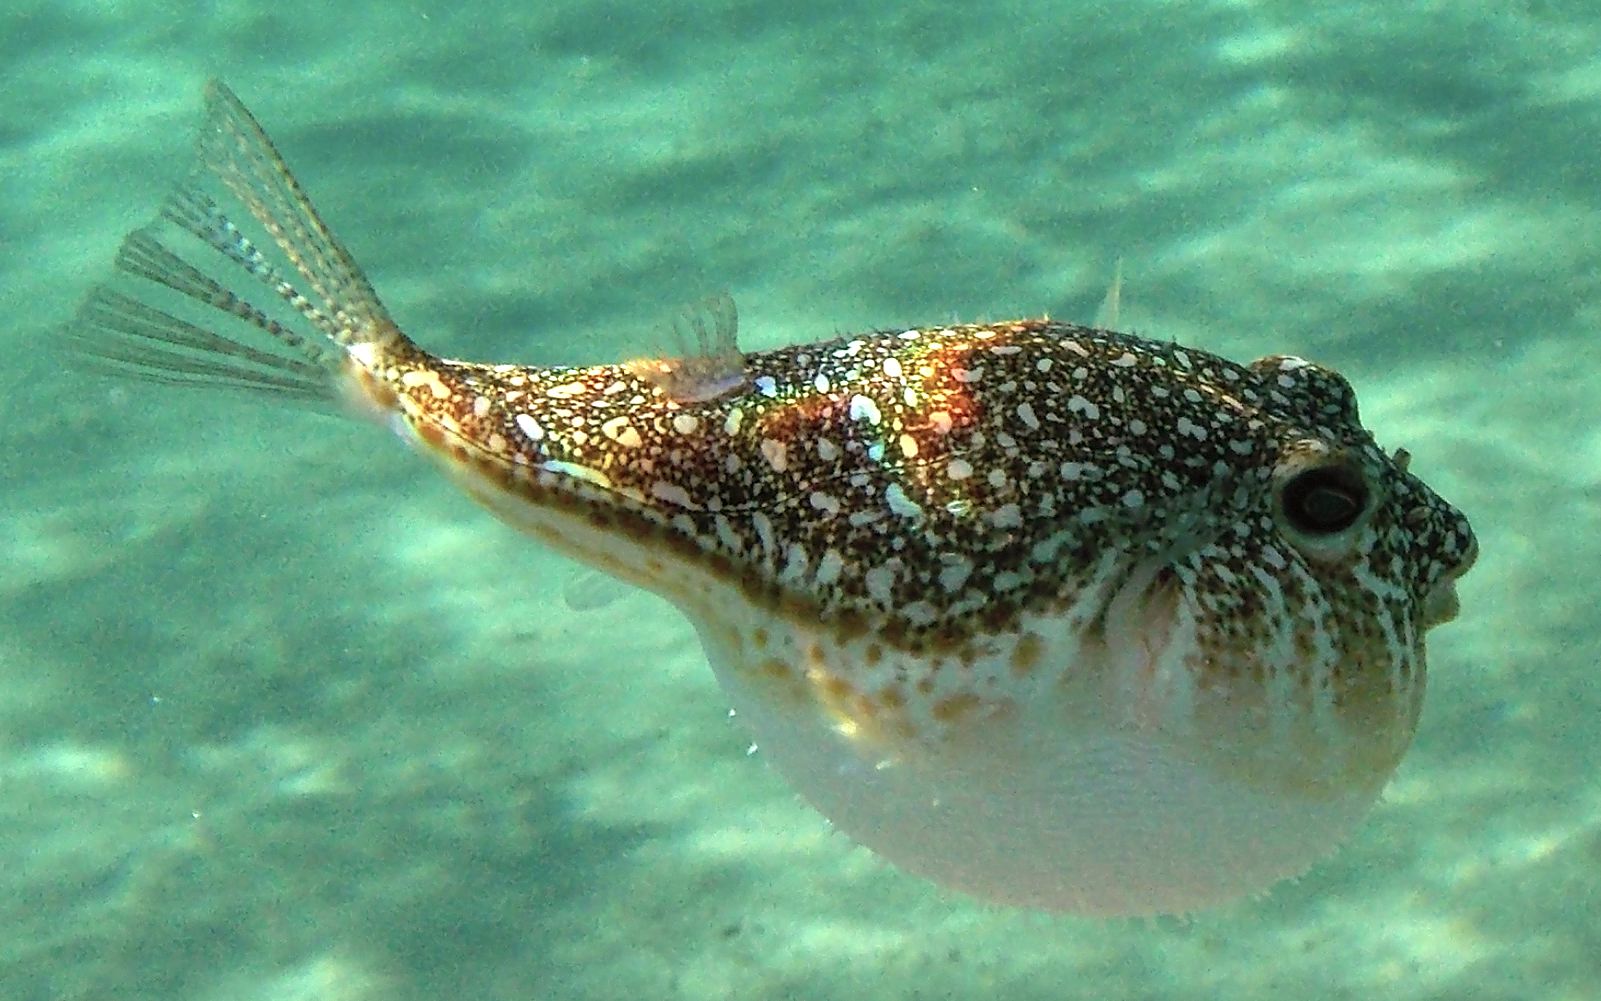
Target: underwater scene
{"type": "Point", "coordinates": [783, 586]}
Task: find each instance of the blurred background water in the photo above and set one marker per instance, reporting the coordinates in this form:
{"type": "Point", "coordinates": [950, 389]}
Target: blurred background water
{"type": "Point", "coordinates": [282, 717]}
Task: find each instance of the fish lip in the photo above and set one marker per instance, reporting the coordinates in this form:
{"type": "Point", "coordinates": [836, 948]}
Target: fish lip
{"type": "Point", "coordinates": [1441, 605]}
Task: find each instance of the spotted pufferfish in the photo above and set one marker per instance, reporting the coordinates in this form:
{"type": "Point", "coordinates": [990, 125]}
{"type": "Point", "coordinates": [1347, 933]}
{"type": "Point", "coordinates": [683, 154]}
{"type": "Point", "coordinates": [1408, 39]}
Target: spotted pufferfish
{"type": "Point", "coordinates": [1055, 616]}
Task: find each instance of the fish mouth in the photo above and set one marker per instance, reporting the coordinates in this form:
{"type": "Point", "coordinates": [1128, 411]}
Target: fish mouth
{"type": "Point", "coordinates": [1441, 604]}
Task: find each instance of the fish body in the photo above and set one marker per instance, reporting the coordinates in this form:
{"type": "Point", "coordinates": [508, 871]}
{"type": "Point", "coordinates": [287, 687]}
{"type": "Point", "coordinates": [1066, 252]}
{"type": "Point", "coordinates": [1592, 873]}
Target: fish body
{"type": "Point", "coordinates": [1056, 616]}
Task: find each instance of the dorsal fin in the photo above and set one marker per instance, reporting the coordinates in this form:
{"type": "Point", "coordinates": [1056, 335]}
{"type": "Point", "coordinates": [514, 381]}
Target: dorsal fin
{"type": "Point", "coordinates": [1106, 317]}
{"type": "Point", "coordinates": [704, 362]}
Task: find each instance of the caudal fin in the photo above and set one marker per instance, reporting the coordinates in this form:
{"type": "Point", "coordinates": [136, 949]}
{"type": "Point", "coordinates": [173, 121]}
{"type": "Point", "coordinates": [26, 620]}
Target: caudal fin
{"type": "Point", "coordinates": [185, 308]}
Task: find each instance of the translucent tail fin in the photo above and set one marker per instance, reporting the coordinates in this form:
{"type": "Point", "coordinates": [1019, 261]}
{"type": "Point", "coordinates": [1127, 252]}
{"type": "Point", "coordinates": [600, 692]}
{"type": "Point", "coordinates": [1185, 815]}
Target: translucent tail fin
{"type": "Point", "coordinates": [188, 316]}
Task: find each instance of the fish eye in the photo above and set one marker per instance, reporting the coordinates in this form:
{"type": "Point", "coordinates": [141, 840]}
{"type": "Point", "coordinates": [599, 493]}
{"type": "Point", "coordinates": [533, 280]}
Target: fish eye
{"type": "Point", "coordinates": [1324, 500]}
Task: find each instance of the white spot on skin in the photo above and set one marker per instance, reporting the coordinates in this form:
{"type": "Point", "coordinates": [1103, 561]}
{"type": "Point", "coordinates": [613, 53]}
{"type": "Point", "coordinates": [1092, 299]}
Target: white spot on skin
{"type": "Point", "coordinates": [820, 383]}
{"type": "Point", "coordinates": [1045, 550]}
{"type": "Point", "coordinates": [764, 529]}
{"type": "Point", "coordinates": [1009, 580]}
{"type": "Point", "coordinates": [880, 581]}
{"type": "Point", "coordinates": [530, 427]}
{"type": "Point", "coordinates": [901, 504]}
{"type": "Point", "coordinates": [863, 408]}
{"type": "Point", "coordinates": [670, 493]}
{"type": "Point", "coordinates": [1025, 413]}
{"type": "Point", "coordinates": [959, 469]}
{"type": "Point", "coordinates": [827, 450]}
{"type": "Point", "coordinates": [566, 391]}
{"type": "Point", "coordinates": [954, 573]}
{"type": "Point", "coordinates": [480, 406]}
{"type": "Point", "coordinates": [776, 453]}
{"type": "Point", "coordinates": [1134, 498]}
{"type": "Point", "coordinates": [892, 368]}
{"type": "Point", "coordinates": [686, 423]}
{"type": "Point", "coordinates": [829, 567]}
{"type": "Point", "coordinates": [908, 446]}
{"type": "Point", "coordinates": [825, 502]}
{"type": "Point", "coordinates": [767, 386]}
{"type": "Point", "coordinates": [620, 430]}
{"type": "Point", "coordinates": [1007, 516]}
{"type": "Point", "coordinates": [725, 535]}
{"type": "Point", "coordinates": [429, 378]}
{"type": "Point", "coordinates": [731, 424]}
{"type": "Point", "coordinates": [1191, 429]}
{"type": "Point", "coordinates": [1077, 404]}
{"type": "Point", "coordinates": [577, 472]}
{"type": "Point", "coordinates": [795, 563]}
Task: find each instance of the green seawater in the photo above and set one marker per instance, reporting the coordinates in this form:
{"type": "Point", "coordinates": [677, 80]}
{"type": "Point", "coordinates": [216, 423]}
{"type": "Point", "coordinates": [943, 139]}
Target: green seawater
{"type": "Point", "coordinates": [284, 717]}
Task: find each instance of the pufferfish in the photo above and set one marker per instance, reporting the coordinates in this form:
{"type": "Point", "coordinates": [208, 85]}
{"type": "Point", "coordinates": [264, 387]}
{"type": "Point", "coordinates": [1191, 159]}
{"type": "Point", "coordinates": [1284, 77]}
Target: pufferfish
{"type": "Point", "coordinates": [1053, 616]}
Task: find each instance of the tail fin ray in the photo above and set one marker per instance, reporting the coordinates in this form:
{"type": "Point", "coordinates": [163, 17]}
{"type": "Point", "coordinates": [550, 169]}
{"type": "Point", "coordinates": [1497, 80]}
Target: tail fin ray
{"type": "Point", "coordinates": [235, 150]}
{"type": "Point", "coordinates": [122, 335]}
{"type": "Point", "coordinates": [195, 262]}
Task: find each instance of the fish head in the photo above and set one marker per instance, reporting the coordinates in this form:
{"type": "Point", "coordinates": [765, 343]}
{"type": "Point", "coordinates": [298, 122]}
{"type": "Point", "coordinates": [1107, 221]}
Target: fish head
{"type": "Point", "coordinates": [1340, 500]}
{"type": "Point", "coordinates": [1330, 561]}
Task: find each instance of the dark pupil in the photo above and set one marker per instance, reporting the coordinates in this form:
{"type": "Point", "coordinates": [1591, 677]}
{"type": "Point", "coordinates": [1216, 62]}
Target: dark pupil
{"type": "Point", "coordinates": [1324, 500]}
